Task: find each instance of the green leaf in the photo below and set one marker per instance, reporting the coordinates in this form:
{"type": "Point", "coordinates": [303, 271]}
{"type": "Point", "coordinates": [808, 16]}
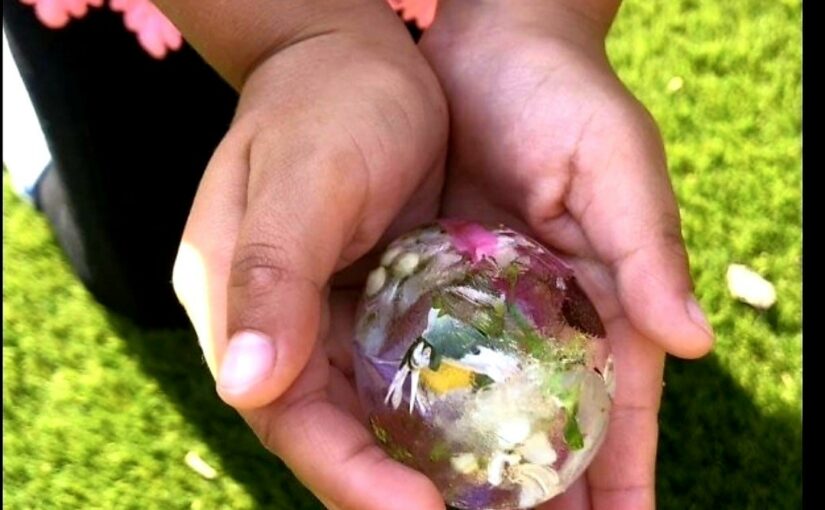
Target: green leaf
{"type": "Point", "coordinates": [481, 381]}
{"type": "Point", "coordinates": [379, 432]}
{"type": "Point", "coordinates": [572, 433]}
{"type": "Point", "coordinates": [439, 452]}
{"type": "Point", "coordinates": [511, 274]}
{"type": "Point", "coordinates": [399, 453]}
{"type": "Point", "coordinates": [439, 304]}
{"type": "Point", "coordinates": [490, 322]}
{"type": "Point", "coordinates": [536, 345]}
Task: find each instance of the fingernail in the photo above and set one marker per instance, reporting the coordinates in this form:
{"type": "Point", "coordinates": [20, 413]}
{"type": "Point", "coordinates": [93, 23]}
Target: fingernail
{"type": "Point", "coordinates": [249, 359]}
{"type": "Point", "coordinates": [694, 310]}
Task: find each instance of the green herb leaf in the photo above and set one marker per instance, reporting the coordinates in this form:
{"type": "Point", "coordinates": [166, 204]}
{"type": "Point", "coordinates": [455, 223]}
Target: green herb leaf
{"type": "Point", "coordinates": [572, 433]}
{"type": "Point", "coordinates": [439, 452]}
{"type": "Point", "coordinates": [481, 381]}
{"type": "Point", "coordinates": [380, 432]}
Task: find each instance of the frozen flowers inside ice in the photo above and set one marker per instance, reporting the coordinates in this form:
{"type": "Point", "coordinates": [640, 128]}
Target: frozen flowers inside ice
{"type": "Point", "coordinates": [481, 363]}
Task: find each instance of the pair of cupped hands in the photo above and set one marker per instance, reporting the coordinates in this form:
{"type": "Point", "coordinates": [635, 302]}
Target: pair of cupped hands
{"type": "Point", "coordinates": [505, 112]}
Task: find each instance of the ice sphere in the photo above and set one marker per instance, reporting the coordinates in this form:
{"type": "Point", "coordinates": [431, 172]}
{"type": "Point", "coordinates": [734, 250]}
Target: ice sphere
{"type": "Point", "coordinates": [481, 363]}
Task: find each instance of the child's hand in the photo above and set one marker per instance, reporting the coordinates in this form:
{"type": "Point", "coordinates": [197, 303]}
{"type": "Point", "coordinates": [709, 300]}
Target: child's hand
{"type": "Point", "coordinates": [545, 137]}
{"type": "Point", "coordinates": [337, 138]}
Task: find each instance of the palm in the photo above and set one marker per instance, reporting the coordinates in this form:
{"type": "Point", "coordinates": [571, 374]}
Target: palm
{"type": "Point", "coordinates": [324, 399]}
{"type": "Point", "coordinates": [531, 130]}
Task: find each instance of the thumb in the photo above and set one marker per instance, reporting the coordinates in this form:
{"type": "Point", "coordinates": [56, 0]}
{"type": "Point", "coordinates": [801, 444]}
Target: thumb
{"type": "Point", "coordinates": [288, 245]}
{"type": "Point", "coordinates": [630, 216]}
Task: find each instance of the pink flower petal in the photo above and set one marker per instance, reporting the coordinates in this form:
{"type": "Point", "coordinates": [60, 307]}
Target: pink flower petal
{"type": "Point", "coordinates": [538, 299]}
{"type": "Point", "coordinates": [471, 239]}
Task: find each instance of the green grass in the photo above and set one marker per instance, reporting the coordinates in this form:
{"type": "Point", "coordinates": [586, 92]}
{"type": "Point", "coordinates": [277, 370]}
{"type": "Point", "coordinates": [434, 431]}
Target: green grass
{"type": "Point", "coordinates": [99, 414]}
{"type": "Point", "coordinates": [731, 424]}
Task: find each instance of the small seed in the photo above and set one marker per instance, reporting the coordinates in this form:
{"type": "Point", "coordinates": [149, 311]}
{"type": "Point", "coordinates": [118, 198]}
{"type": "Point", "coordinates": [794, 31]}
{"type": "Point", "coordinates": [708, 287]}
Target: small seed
{"type": "Point", "coordinates": [406, 264]}
{"type": "Point", "coordinates": [748, 286]}
{"type": "Point", "coordinates": [376, 280]}
{"type": "Point", "coordinates": [464, 463]}
{"type": "Point", "coordinates": [675, 84]}
{"type": "Point", "coordinates": [390, 255]}
{"type": "Point", "coordinates": [200, 466]}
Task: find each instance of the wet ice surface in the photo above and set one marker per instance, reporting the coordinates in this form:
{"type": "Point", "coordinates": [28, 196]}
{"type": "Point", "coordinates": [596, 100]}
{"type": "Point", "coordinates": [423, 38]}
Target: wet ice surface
{"type": "Point", "coordinates": [480, 362]}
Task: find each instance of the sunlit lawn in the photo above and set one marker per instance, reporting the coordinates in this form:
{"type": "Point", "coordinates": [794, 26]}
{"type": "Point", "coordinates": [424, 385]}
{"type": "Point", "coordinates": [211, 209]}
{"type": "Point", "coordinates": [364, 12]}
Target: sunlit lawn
{"type": "Point", "coordinates": [98, 414]}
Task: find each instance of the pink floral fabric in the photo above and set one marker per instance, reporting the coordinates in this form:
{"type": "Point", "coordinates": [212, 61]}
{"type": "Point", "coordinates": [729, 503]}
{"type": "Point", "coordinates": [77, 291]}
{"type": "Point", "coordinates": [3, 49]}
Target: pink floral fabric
{"type": "Point", "coordinates": [57, 13]}
{"type": "Point", "coordinates": [420, 11]}
{"type": "Point", "coordinates": [155, 32]}
{"type": "Point", "coordinates": [157, 35]}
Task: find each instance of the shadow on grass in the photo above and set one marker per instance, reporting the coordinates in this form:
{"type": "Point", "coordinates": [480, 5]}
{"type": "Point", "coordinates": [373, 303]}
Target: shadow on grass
{"type": "Point", "coordinates": [174, 360]}
{"type": "Point", "coordinates": [717, 449]}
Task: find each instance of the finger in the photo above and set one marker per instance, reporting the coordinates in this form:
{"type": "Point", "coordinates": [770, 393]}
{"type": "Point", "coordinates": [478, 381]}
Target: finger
{"type": "Point", "coordinates": [623, 199]}
{"type": "Point", "coordinates": [334, 455]}
{"type": "Point", "coordinates": [622, 474]}
{"type": "Point", "coordinates": [299, 217]}
{"type": "Point", "coordinates": [564, 234]}
{"type": "Point", "coordinates": [202, 264]}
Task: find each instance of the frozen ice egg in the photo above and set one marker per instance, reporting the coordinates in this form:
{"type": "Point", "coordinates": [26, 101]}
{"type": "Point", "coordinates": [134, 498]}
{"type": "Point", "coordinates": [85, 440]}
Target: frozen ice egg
{"type": "Point", "coordinates": [481, 363]}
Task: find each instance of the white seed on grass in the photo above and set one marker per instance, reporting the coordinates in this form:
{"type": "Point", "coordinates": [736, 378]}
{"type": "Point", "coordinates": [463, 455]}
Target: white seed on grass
{"type": "Point", "coordinates": [376, 280]}
{"type": "Point", "coordinates": [200, 466]}
{"type": "Point", "coordinates": [675, 84]}
{"type": "Point", "coordinates": [748, 286]}
{"type": "Point", "coordinates": [406, 264]}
